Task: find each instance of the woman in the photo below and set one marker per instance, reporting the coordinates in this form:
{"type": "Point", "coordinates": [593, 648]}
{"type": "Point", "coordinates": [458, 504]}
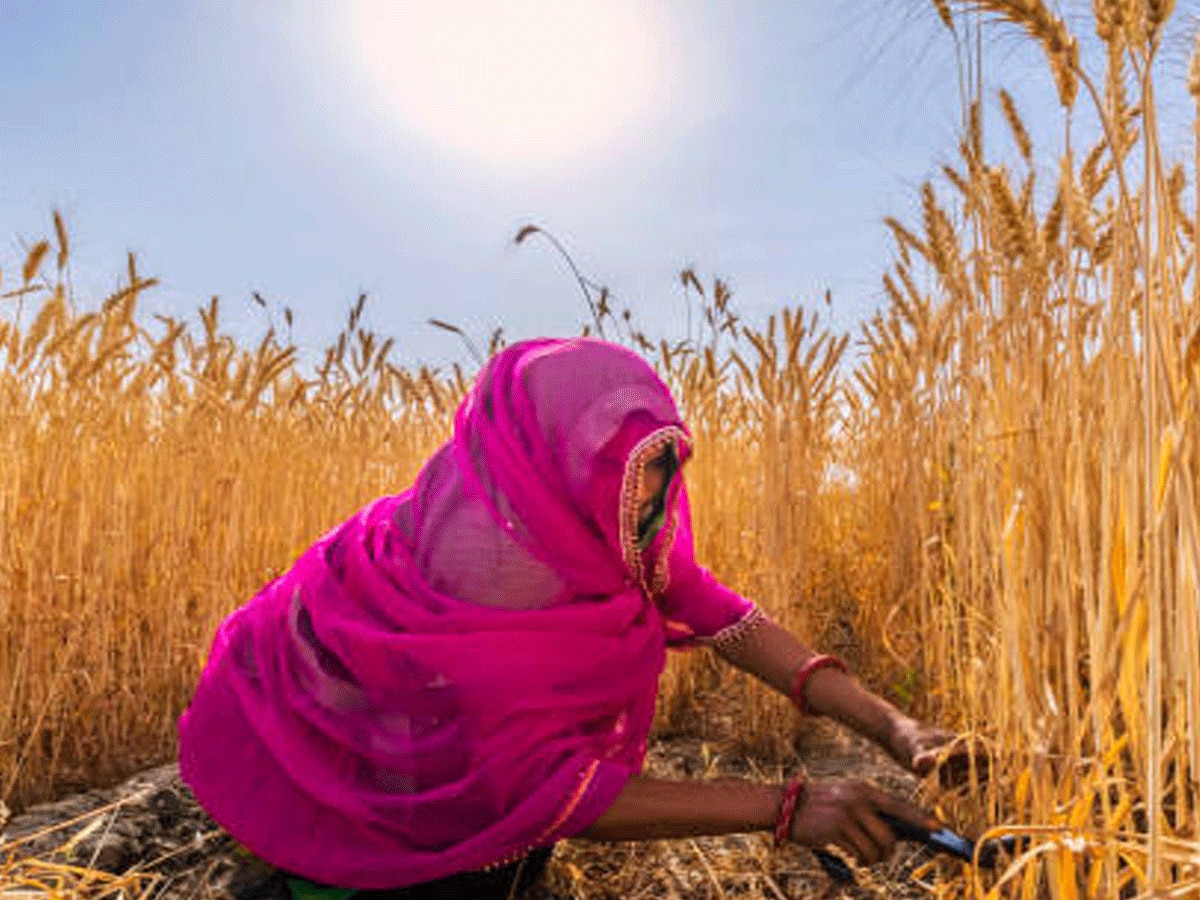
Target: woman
{"type": "Point", "coordinates": [463, 674]}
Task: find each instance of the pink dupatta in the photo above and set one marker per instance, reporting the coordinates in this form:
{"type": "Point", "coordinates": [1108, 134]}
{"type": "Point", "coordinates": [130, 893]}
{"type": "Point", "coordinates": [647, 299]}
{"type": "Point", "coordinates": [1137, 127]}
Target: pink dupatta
{"type": "Point", "coordinates": [467, 670]}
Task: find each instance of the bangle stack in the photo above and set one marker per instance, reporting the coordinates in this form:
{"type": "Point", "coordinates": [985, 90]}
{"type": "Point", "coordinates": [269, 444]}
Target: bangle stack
{"type": "Point", "coordinates": [792, 796]}
{"type": "Point", "coordinates": [805, 672]}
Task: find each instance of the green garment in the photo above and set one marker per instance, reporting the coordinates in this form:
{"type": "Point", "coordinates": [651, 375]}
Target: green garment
{"type": "Point", "coordinates": [650, 527]}
{"type": "Point", "coordinates": [306, 890]}
{"type": "Point", "coordinates": [299, 888]}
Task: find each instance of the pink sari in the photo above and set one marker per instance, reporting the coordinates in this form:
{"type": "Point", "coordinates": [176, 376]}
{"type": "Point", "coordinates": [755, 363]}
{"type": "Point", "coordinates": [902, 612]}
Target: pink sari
{"type": "Point", "coordinates": [467, 670]}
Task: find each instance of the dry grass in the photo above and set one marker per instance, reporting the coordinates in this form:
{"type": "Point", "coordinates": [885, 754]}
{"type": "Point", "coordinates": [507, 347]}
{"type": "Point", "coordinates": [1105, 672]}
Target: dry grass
{"type": "Point", "coordinates": [1014, 552]}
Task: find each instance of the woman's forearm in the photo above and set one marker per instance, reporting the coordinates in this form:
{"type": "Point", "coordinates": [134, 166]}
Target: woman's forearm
{"type": "Point", "coordinates": [831, 693]}
{"type": "Point", "coordinates": [773, 654]}
{"type": "Point", "coordinates": [651, 808]}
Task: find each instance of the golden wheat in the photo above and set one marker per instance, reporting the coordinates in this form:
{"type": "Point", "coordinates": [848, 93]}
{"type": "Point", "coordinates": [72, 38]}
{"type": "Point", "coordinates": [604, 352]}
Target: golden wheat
{"type": "Point", "coordinates": [1054, 536]}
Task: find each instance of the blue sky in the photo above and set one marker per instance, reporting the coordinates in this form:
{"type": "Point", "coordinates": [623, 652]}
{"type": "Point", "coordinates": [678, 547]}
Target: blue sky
{"type": "Point", "coordinates": [237, 147]}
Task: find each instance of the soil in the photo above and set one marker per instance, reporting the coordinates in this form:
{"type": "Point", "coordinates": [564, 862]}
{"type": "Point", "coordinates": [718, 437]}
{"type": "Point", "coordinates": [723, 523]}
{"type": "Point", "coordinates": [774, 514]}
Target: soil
{"type": "Point", "coordinates": [148, 838]}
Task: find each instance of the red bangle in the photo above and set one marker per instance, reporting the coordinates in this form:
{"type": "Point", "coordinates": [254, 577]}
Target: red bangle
{"type": "Point", "coordinates": [787, 808]}
{"type": "Point", "coordinates": [805, 672]}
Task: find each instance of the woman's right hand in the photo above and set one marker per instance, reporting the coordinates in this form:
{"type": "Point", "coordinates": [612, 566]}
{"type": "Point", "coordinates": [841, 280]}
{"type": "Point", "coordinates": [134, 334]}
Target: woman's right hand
{"type": "Point", "coordinates": [845, 813]}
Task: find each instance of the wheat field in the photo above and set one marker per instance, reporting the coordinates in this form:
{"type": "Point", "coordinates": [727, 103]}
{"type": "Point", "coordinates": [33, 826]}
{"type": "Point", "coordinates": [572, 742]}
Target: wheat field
{"type": "Point", "coordinates": [993, 483]}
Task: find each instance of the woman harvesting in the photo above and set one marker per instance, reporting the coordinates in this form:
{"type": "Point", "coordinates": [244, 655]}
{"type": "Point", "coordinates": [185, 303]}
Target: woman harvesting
{"type": "Point", "coordinates": [462, 674]}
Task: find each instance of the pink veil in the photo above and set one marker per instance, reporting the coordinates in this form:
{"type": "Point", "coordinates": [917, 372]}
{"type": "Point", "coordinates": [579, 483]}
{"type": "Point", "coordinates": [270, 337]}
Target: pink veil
{"type": "Point", "coordinates": [464, 671]}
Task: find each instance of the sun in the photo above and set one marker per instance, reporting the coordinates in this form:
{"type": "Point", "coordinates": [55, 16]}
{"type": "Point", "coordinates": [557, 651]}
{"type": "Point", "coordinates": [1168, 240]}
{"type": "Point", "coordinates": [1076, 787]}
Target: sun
{"type": "Point", "coordinates": [518, 83]}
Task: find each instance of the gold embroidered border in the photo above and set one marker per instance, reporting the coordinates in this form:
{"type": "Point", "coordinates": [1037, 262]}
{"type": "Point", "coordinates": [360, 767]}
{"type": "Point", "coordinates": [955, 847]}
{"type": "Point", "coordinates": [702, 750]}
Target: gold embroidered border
{"type": "Point", "coordinates": [631, 487]}
{"type": "Point", "coordinates": [662, 569]}
{"type": "Point", "coordinates": [732, 635]}
{"type": "Point", "coordinates": [574, 802]}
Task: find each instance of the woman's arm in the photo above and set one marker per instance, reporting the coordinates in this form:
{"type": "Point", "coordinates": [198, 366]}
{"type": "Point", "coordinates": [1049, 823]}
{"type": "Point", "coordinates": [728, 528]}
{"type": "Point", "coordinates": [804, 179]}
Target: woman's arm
{"type": "Point", "coordinates": [845, 813]}
{"type": "Point", "coordinates": [698, 609]}
{"type": "Point", "coordinates": [651, 808]}
{"type": "Point", "coordinates": [773, 654]}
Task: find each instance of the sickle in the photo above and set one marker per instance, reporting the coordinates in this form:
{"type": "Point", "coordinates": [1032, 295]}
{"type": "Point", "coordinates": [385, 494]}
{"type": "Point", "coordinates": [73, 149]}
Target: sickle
{"type": "Point", "coordinates": [941, 840]}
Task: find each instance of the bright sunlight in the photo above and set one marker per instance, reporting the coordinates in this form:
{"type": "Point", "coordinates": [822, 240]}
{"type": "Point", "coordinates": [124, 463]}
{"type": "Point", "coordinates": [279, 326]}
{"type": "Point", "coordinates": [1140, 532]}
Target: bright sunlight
{"type": "Point", "coordinates": [518, 83]}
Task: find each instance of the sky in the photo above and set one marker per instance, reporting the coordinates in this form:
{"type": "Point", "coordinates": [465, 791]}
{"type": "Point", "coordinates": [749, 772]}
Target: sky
{"type": "Point", "coordinates": [311, 151]}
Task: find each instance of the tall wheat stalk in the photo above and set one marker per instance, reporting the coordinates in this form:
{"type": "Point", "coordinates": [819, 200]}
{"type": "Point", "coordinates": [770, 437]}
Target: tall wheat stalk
{"type": "Point", "coordinates": [1046, 575]}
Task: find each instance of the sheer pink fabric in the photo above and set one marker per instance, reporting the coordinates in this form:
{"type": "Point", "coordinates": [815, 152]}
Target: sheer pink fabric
{"type": "Point", "coordinates": [467, 670]}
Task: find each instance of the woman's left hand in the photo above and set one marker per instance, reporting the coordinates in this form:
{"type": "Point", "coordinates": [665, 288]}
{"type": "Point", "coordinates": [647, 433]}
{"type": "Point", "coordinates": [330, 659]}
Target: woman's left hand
{"type": "Point", "coordinates": [922, 748]}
